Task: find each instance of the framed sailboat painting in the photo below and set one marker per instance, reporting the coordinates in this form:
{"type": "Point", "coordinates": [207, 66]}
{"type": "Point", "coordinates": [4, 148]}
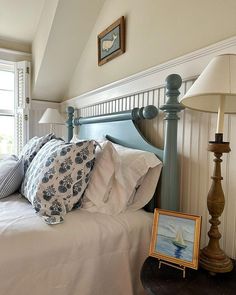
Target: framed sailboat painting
{"type": "Point", "coordinates": [176, 238]}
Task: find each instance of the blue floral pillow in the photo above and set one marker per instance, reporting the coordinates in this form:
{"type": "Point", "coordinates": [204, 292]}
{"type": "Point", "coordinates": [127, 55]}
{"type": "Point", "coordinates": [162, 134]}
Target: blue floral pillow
{"type": "Point", "coordinates": [57, 177]}
{"type": "Point", "coordinates": [32, 147]}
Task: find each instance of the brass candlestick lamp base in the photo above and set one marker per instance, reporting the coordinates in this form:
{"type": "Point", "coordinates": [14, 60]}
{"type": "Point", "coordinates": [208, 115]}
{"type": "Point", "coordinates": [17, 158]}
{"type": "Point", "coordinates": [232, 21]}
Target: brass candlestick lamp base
{"type": "Point", "coordinates": [212, 257]}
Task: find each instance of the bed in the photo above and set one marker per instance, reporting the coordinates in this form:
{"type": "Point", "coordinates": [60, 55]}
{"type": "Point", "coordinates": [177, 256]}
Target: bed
{"type": "Point", "coordinates": [91, 252]}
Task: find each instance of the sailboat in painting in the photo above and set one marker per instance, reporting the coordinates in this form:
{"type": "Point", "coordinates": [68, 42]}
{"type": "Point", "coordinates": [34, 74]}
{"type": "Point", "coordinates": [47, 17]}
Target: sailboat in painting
{"type": "Point", "coordinates": [179, 240]}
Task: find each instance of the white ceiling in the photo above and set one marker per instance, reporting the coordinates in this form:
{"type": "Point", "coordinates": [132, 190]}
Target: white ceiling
{"type": "Point", "coordinates": [57, 39]}
{"type": "Point", "coordinates": [19, 19]}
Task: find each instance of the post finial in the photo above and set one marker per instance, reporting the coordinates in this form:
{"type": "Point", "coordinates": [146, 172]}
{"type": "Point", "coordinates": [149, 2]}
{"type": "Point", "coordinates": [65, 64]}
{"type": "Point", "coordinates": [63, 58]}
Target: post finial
{"type": "Point", "coordinates": [172, 105]}
{"type": "Point", "coordinates": [173, 81]}
{"type": "Point", "coordinates": [149, 112]}
{"type": "Point", "coordinates": [70, 110]}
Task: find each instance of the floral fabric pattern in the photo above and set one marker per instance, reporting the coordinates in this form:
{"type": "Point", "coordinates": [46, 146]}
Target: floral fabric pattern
{"type": "Point", "coordinates": [57, 177]}
{"type": "Point", "coordinates": [32, 147]}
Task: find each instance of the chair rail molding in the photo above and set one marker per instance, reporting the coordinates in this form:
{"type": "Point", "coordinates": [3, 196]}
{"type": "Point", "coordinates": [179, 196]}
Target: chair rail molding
{"type": "Point", "coordinates": [187, 66]}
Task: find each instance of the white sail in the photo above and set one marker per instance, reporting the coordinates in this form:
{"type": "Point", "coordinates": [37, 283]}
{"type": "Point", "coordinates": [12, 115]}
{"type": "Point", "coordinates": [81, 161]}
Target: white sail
{"type": "Point", "coordinates": [179, 240]}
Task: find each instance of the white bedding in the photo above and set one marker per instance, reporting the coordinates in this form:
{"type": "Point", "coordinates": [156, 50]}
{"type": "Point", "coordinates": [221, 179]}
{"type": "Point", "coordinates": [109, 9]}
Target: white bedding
{"type": "Point", "coordinates": [88, 254]}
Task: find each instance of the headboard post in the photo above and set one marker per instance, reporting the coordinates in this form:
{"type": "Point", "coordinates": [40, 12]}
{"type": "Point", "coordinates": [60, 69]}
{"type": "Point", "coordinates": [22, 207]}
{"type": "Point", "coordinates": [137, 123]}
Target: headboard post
{"type": "Point", "coordinates": [69, 122]}
{"type": "Point", "coordinates": [170, 173]}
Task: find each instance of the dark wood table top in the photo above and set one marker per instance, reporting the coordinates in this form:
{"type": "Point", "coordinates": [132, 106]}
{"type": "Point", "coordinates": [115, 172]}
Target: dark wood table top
{"type": "Point", "coordinates": [170, 281]}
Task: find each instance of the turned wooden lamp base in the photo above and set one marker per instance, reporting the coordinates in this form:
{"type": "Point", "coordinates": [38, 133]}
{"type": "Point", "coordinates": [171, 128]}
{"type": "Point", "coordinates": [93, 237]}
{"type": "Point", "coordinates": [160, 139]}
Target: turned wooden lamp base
{"type": "Point", "coordinates": [212, 258]}
{"type": "Point", "coordinates": [215, 262]}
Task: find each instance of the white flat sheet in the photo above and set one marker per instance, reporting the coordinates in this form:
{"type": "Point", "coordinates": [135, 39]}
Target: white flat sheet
{"type": "Point", "coordinates": [88, 254]}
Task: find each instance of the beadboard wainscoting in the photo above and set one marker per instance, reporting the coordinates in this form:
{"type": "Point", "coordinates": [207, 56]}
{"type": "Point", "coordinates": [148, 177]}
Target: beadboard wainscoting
{"type": "Point", "coordinates": [195, 129]}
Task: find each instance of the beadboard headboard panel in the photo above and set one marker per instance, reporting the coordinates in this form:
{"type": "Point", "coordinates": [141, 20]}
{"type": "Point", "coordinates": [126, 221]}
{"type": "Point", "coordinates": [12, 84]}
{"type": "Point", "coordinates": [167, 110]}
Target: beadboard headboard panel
{"type": "Point", "coordinates": [195, 129]}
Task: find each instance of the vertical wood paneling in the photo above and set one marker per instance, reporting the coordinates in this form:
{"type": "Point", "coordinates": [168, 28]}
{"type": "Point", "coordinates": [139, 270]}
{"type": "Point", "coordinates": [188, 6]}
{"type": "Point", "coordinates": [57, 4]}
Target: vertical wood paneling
{"type": "Point", "coordinates": [35, 113]}
{"type": "Point", "coordinates": [230, 208]}
{"type": "Point", "coordinates": [196, 163]}
{"type": "Point", "coordinates": [203, 177]}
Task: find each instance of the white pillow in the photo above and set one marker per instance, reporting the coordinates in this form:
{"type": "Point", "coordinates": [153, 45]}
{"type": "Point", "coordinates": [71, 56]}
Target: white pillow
{"type": "Point", "coordinates": [140, 171]}
{"type": "Point", "coordinates": [146, 189]}
{"type": "Point", "coordinates": [129, 178]}
{"type": "Point", "coordinates": [102, 176]}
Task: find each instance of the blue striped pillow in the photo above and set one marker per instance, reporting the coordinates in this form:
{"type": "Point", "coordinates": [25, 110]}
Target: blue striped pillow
{"type": "Point", "coordinates": [11, 175]}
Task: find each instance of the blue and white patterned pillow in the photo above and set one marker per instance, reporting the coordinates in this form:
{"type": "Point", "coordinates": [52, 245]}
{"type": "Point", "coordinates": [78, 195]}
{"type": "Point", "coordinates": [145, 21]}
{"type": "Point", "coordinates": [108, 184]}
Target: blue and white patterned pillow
{"type": "Point", "coordinates": [32, 147]}
{"type": "Point", "coordinates": [11, 175]}
{"type": "Point", "coordinates": [57, 177]}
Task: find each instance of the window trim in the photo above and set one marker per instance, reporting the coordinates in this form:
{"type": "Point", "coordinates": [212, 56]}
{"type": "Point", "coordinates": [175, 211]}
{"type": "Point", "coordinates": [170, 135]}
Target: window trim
{"type": "Point", "coordinates": [8, 66]}
{"type": "Point", "coordinates": [22, 100]}
{"type": "Point", "coordinates": [7, 113]}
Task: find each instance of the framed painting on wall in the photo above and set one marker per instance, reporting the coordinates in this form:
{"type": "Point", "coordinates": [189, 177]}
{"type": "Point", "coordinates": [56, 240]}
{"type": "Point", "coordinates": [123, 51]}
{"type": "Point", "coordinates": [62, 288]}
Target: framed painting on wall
{"type": "Point", "coordinates": [111, 41]}
{"type": "Point", "coordinates": [176, 238]}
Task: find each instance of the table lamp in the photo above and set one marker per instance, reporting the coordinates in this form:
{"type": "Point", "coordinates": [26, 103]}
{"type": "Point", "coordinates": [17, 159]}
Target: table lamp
{"type": "Point", "coordinates": [51, 116]}
{"type": "Point", "coordinates": [215, 91]}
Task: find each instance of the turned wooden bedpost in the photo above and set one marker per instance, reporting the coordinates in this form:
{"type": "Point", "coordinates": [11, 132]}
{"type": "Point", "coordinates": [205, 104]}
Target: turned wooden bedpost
{"type": "Point", "coordinates": [69, 123]}
{"type": "Point", "coordinates": [170, 172]}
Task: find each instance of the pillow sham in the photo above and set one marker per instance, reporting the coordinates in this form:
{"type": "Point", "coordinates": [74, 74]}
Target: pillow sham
{"type": "Point", "coordinates": [145, 190]}
{"type": "Point", "coordinates": [143, 173]}
{"type": "Point", "coordinates": [57, 177]}
{"type": "Point", "coordinates": [102, 176]}
{"type": "Point", "coordinates": [124, 171]}
{"type": "Point", "coordinates": [32, 147]}
{"type": "Point", "coordinates": [11, 175]}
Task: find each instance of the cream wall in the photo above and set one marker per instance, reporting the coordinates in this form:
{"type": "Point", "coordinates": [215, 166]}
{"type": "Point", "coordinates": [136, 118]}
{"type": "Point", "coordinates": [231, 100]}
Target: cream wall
{"type": "Point", "coordinates": [157, 31]}
{"type": "Point", "coordinates": [40, 40]}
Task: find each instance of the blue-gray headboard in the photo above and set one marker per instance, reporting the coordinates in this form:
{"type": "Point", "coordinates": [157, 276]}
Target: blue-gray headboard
{"type": "Point", "coordinates": [122, 128]}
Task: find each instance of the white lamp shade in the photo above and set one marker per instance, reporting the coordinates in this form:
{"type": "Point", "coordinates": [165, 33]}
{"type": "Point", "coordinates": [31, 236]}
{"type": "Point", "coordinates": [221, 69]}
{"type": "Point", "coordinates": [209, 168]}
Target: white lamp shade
{"type": "Point", "coordinates": [51, 116]}
{"type": "Point", "coordinates": [216, 81]}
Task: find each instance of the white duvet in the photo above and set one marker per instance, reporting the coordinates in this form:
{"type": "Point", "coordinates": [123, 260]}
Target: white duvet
{"type": "Point", "coordinates": [88, 254]}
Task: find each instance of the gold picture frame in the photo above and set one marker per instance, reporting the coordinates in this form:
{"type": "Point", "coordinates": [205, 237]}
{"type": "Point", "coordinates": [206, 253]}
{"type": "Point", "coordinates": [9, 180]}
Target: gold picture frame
{"type": "Point", "coordinates": [176, 238]}
{"type": "Point", "coordinates": [111, 41]}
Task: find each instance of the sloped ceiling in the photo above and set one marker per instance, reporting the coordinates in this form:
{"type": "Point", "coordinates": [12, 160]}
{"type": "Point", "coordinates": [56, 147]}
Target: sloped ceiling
{"type": "Point", "coordinates": [55, 31]}
{"type": "Point", "coordinates": [18, 23]}
{"type": "Point", "coordinates": [57, 51]}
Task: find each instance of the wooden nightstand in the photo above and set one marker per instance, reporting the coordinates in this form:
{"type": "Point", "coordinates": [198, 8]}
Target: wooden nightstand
{"type": "Point", "coordinates": [170, 281]}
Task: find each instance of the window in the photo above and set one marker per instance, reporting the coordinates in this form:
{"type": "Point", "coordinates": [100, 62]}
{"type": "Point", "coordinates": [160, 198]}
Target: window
{"type": "Point", "coordinates": [7, 109]}
{"type": "Point", "coordinates": [14, 105]}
